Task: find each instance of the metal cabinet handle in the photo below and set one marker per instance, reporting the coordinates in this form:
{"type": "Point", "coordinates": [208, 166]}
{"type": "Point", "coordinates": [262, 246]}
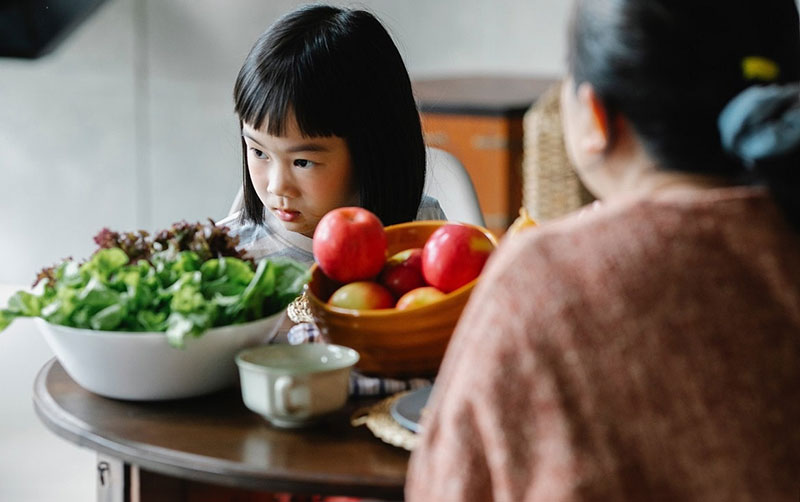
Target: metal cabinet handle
{"type": "Point", "coordinates": [486, 142]}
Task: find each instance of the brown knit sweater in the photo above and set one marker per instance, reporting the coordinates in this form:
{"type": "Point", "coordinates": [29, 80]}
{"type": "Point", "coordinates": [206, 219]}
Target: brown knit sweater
{"type": "Point", "coordinates": [648, 350]}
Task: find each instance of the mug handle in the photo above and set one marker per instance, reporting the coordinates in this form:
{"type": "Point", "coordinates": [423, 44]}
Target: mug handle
{"type": "Point", "coordinates": [283, 387]}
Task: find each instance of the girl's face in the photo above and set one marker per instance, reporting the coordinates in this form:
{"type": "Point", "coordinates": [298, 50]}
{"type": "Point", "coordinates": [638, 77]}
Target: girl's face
{"type": "Point", "coordinates": [298, 178]}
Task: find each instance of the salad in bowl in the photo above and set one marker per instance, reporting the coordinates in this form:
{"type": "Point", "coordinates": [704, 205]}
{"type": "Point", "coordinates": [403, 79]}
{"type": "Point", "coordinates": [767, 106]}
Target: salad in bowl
{"type": "Point", "coordinates": [158, 316]}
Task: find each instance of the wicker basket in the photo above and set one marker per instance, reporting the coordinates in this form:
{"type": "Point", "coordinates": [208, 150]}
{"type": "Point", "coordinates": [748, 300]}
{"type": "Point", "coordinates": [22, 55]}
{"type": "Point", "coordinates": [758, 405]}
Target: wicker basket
{"type": "Point", "coordinates": [550, 186]}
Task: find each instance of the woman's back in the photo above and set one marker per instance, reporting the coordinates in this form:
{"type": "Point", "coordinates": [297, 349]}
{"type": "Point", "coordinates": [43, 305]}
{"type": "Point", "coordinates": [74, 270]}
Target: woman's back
{"type": "Point", "coordinates": [650, 351]}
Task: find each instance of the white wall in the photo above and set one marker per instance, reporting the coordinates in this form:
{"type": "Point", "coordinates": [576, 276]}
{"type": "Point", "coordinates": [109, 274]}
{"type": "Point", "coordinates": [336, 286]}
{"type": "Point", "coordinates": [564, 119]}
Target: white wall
{"type": "Point", "coordinates": [129, 123]}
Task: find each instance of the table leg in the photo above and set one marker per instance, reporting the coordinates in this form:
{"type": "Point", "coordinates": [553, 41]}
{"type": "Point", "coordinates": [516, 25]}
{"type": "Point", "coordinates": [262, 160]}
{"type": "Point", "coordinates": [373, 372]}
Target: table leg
{"type": "Point", "coordinates": [118, 481]}
{"type": "Point", "coordinates": [148, 486]}
{"type": "Point", "coordinates": [113, 479]}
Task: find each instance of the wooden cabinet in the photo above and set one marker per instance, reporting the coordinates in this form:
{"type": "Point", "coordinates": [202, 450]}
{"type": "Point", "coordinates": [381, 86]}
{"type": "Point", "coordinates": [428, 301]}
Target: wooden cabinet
{"type": "Point", "coordinates": [479, 120]}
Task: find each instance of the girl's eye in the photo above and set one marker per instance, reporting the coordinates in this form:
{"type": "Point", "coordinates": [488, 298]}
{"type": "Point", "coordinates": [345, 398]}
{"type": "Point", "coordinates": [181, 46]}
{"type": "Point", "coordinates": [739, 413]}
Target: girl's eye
{"type": "Point", "coordinates": [303, 163]}
{"type": "Point", "coordinates": [258, 153]}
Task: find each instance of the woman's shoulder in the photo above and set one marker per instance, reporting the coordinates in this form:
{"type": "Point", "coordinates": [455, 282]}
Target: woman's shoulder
{"type": "Point", "coordinates": [638, 239]}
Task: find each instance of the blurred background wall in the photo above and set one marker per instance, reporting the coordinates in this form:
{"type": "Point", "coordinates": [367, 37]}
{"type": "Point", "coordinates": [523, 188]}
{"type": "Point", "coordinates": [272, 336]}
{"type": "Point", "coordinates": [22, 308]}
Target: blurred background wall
{"type": "Point", "coordinates": [129, 124]}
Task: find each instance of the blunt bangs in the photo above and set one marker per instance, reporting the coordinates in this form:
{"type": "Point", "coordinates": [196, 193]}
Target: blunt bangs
{"type": "Point", "coordinates": [285, 75]}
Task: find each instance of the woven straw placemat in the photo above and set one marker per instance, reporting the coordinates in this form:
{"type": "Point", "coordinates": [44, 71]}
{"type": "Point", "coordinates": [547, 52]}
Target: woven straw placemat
{"type": "Point", "coordinates": [378, 419]}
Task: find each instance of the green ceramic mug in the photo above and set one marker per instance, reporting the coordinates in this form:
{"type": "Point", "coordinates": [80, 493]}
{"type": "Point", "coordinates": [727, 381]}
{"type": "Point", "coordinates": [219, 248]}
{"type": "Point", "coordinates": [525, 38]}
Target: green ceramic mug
{"type": "Point", "coordinates": [295, 385]}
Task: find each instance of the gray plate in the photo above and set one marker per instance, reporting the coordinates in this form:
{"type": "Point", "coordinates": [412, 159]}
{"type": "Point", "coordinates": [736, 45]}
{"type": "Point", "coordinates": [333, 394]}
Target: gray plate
{"type": "Point", "coordinates": [408, 409]}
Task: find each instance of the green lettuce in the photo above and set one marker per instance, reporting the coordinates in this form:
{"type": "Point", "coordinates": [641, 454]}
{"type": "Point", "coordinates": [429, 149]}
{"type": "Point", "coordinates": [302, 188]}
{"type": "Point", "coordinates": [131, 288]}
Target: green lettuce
{"type": "Point", "coordinates": [179, 290]}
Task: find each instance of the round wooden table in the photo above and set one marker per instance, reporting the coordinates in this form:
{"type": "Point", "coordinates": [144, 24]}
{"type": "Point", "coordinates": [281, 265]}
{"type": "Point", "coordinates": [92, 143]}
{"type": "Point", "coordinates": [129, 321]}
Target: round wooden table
{"type": "Point", "coordinates": [214, 443]}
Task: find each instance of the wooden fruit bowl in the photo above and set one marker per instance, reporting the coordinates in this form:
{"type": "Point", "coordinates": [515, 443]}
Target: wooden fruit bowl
{"type": "Point", "coordinates": [392, 343]}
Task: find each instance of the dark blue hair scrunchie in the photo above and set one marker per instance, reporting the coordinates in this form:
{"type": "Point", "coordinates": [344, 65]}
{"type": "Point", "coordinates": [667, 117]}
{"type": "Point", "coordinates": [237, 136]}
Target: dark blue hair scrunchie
{"type": "Point", "coordinates": [762, 123]}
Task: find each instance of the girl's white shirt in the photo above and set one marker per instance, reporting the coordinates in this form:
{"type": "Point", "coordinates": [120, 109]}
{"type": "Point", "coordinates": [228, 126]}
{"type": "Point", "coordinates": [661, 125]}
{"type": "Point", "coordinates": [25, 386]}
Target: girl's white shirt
{"type": "Point", "coordinates": [273, 240]}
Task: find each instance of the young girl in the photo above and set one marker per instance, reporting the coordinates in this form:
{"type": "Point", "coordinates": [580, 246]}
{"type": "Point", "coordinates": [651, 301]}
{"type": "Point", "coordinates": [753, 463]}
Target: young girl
{"type": "Point", "coordinates": [328, 119]}
{"type": "Point", "coordinates": [648, 349]}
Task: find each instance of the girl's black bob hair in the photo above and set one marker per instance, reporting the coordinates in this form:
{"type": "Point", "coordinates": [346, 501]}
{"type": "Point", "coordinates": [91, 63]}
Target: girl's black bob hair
{"type": "Point", "coordinates": [339, 72]}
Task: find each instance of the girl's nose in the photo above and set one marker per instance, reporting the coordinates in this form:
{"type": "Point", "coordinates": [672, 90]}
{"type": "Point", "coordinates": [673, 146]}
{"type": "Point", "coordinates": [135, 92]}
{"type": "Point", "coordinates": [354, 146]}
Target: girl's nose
{"type": "Point", "coordinates": [280, 181]}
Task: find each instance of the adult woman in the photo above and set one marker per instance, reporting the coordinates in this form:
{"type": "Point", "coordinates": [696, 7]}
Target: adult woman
{"type": "Point", "coordinates": [649, 349]}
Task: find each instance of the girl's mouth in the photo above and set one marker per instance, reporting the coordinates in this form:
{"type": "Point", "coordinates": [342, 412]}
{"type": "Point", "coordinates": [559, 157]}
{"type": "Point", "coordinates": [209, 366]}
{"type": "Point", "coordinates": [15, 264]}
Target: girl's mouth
{"type": "Point", "coordinates": [286, 214]}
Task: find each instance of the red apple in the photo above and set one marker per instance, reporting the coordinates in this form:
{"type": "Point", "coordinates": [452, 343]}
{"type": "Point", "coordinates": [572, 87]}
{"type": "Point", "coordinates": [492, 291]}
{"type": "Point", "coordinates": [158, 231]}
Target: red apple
{"type": "Point", "coordinates": [454, 255]}
{"type": "Point", "coordinates": [403, 272]}
{"type": "Point", "coordinates": [411, 257]}
{"type": "Point", "coordinates": [350, 244]}
{"type": "Point", "coordinates": [362, 295]}
{"type": "Point", "coordinates": [419, 297]}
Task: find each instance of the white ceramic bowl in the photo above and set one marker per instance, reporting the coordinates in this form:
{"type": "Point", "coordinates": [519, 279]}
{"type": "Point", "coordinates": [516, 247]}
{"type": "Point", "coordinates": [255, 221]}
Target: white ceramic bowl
{"type": "Point", "coordinates": [143, 366]}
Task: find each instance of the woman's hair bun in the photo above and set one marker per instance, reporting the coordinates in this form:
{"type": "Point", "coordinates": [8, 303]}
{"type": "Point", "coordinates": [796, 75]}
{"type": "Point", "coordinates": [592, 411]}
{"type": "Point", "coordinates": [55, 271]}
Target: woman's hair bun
{"type": "Point", "coordinates": [762, 123]}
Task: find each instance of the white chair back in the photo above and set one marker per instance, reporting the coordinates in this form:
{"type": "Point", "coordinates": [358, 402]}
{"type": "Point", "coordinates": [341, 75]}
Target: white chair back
{"type": "Point", "coordinates": [238, 202]}
{"type": "Point", "coordinates": [446, 180]}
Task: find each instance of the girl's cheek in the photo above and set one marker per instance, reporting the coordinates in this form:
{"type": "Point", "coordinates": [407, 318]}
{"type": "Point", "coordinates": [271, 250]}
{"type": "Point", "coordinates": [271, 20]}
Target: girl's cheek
{"type": "Point", "coordinates": [256, 171]}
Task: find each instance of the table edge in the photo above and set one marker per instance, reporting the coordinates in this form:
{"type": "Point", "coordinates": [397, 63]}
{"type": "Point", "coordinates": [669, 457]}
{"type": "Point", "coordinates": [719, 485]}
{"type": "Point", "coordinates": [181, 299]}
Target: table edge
{"type": "Point", "coordinates": [194, 467]}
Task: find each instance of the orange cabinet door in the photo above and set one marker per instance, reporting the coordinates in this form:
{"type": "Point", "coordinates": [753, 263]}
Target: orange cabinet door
{"type": "Point", "coordinates": [490, 147]}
